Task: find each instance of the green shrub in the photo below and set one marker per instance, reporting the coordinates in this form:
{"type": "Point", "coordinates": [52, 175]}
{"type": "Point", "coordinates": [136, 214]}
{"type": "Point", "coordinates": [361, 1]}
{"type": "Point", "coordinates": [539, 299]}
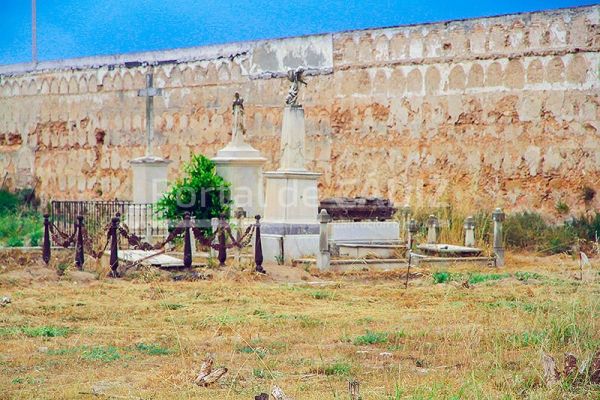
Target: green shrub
{"type": "Point", "coordinates": [35, 238]}
{"type": "Point", "coordinates": [441, 277]}
{"type": "Point", "coordinates": [587, 226]}
{"type": "Point", "coordinates": [15, 242]}
{"type": "Point", "coordinates": [201, 192]}
{"type": "Point", "coordinates": [559, 239]}
{"type": "Point", "coordinates": [9, 202]}
{"type": "Point", "coordinates": [15, 227]}
{"type": "Point", "coordinates": [524, 230]}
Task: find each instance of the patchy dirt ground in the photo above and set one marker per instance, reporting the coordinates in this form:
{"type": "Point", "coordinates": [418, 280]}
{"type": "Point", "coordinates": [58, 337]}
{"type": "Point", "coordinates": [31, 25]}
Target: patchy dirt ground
{"type": "Point", "coordinates": [479, 334]}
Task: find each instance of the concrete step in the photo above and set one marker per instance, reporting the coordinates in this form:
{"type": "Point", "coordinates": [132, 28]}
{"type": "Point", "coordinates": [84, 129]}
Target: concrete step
{"type": "Point", "coordinates": [370, 250]}
{"type": "Point", "coordinates": [350, 264]}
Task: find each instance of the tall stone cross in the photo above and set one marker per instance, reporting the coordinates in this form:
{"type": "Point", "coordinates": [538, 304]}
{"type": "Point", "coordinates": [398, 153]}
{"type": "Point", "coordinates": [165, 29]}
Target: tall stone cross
{"type": "Point", "coordinates": [149, 93]}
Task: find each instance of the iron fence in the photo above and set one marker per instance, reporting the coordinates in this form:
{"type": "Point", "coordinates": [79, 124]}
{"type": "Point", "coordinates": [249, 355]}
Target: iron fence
{"type": "Point", "coordinates": [141, 219]}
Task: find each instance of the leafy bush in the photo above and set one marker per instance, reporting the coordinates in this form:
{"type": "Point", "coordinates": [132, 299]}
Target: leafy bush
{"type": "Point", "coordinates": [524, 229]}
{"type": "Point", "coordinates": [15, 242]}
{"type": "Point", "coordinates": [35, 238]}
{"type": "Point", "coordinates": [15, 227]}
{"type": "Point", "coordinates": [201, 192]}
{"type": "Point", "coordinates": [527, 230]}
{"type": "Point", "coordinates": [9, 202]}
{"type": "Point", "coordinates": [587, 226]}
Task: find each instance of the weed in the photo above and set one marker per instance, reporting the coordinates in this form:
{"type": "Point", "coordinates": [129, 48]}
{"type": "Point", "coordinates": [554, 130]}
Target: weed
{"type": "Point", "coordinates": [371, 338]}
{"type": "Point", "coordinates": [171, 306]}
{"type": "Point", "coordinates": [42, 331]}
{"type": "Point", "coordinates": [525, 276]}
{"type": "Point", "coordinates": [259, 373]}
{"type": "Point", "coordinates": [152, 349]}
{"type": "Point", "coordinates": [337, 368]}
{"type": "Point", "coordinates": [101, 353]}
{"type": "Point", "coordinates": [442, 277]}
{"type": "Point", "coordinates": [322, 295]}
{"type": "Point", "coordinates": [475, 278]}
{"type": "Point", "coordinates": [561, 207]}
{"type": "Point", "coordinates": [527, 339]}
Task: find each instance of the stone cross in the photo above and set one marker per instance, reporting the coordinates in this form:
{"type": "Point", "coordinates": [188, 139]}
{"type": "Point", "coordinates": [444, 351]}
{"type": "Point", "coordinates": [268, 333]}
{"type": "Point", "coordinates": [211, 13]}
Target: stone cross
{"type": "Point", "coordinates": [498, 216]}
{"type": "Point", "coordinates": [469, 226]}
{"type": "Point", "coordinates": [149, 93]}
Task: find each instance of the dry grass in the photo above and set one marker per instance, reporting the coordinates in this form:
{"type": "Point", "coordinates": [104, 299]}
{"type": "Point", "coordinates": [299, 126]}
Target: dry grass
{"type": "Point", "coordinates": [432, 341]}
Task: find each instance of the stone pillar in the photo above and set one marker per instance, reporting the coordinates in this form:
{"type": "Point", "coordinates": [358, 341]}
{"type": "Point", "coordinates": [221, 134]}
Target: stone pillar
{"type": "Point", "coordinates": [469, 231]}
{"type": "Point", "coordinates": [433, 227]}
{"type": "Point", "coordinates": [214, 225]}
{"type": "Point", "coordinates": [412, 231]}
{"type": "Point", "coordinates": [149, 184]}
{"type": "Point", "coordinates": [324, 255]}
{"type": "Point", "coordinates": [498, 216]}
{"type": "Point", "coordinates": [405, 217]}
{"type": "Point", "coordinates": [292, 140]}
{"type": "Point", "coordinates": [239, 215]}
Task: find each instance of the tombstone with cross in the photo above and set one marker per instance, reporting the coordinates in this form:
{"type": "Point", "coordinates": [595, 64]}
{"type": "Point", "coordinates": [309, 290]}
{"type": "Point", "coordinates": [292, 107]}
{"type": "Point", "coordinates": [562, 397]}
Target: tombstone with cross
{"type": "Point", "coordinates": [149, 171]}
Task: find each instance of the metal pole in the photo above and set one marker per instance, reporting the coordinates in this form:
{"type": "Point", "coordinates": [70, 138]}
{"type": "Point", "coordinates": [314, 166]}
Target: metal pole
{"type": "Point", "coordinates": [187, 242]}
{"type": "Point", "coordinates": [79, 257]}
{"type": "Point", "coordinates": [114, 247]}
{"type": "Point", "coordinates": [222, 241]}
{"type": "Point", "coordinates": [33, 33]}
{"type": "Point", "coordinates": [46, 246]}
{"type": "Point", "coordinates": [258, 254]}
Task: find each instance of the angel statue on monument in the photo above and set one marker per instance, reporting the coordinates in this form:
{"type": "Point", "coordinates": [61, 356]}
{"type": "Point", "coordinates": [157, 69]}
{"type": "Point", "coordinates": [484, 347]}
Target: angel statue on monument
{"type": "Point", "coordinates": [294, 76]}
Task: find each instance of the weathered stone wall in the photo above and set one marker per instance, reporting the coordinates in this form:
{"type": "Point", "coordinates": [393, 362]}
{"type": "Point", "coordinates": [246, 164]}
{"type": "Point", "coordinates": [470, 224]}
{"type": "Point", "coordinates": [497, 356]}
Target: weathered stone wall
{"type": "Point", "coordinates": [494, 111]}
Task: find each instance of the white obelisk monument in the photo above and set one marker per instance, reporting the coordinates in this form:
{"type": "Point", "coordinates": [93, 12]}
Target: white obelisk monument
{"type": "Point", "coordinates": [241, 165]}
{"type": "Point", "coordinates": [290, 227]}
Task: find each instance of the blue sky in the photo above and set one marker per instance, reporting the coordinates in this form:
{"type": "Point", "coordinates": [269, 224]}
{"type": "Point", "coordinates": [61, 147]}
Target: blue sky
{"type": "Point", "coordinates": [77, 28]}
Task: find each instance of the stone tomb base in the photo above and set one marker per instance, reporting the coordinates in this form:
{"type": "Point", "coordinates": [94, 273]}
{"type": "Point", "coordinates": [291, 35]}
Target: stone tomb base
{"type": "Point", "coordinates": [364, 232]}
{"type": "Point", "coordinates": [286, 248]}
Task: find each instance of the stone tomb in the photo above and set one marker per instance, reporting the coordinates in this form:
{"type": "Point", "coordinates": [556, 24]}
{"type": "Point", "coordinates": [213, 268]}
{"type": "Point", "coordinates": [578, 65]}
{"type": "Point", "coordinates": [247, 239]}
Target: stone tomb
{"type": "Point", "coordinates": [241, 165]}
{"type": "Point", "coordinates": [290, 229]}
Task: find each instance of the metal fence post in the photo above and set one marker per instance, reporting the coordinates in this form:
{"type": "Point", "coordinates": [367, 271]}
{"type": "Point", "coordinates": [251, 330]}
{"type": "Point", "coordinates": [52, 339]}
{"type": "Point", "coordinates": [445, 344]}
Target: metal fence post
{"type": "Point", "coordinates": [79, 257]}
{"type": "Point", "coordinates": [46, 252]}
{"type": "Point", "coordinates": [187, 242]}
{"type": "Point", "coordinates": [258, 253]}
{"type": "Point", "coordinates": [114, 247]}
